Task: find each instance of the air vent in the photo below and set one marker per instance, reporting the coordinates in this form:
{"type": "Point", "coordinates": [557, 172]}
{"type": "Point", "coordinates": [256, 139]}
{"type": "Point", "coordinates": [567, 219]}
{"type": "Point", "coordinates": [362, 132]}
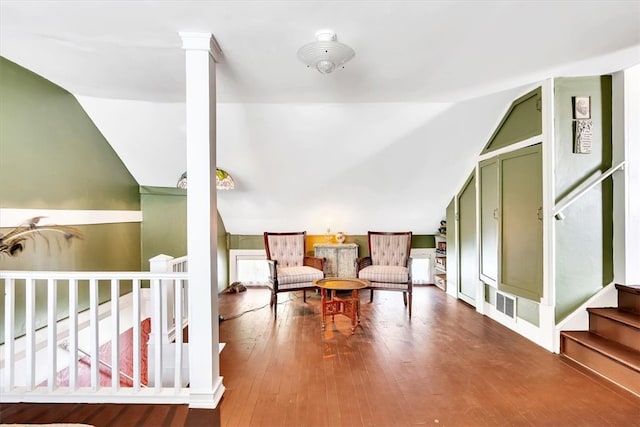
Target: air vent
{"type": "Point", "coordinates": [506, 305]}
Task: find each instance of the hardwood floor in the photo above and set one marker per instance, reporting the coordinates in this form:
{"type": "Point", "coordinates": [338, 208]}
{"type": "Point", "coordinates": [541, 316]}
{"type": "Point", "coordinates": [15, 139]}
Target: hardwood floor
{"type": "Point", "coordinates": [447, 366]}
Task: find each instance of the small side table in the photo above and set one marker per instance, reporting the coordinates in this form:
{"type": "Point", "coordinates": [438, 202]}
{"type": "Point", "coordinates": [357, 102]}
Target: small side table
{"type": "Point", "coordinates": [332, 305]}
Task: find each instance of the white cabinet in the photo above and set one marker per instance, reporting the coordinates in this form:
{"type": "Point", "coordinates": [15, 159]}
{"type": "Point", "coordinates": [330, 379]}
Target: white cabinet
{"type": "Point", "coordinates": [340, 258]}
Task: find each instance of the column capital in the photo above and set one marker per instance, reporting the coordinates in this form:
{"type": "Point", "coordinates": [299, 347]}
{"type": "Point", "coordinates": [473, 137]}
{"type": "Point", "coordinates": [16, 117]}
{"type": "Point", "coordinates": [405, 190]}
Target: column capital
{"type": "Point", "coordinates": [201, 41]}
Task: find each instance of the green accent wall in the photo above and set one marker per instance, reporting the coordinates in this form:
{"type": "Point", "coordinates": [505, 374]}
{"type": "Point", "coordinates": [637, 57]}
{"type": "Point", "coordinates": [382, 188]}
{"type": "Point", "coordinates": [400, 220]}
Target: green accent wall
{"type": "Point", "coordinates": [467, 268]}
{"type": "Point", "coordinates": [584, 239]}
{"type": "Point", "coordinates": [243, 241]}
{"type": "Point", "coordinates": [452, 247]}
{"type": "Point", "coordinates": [528, 310]}
{"type": "Point", "coordinates": [223, 255]}
{"type": "Point", "coordinates": [523, 120]}
{"type": "Point", "coordinates": [164, 230]}
{"type": "Point", "coordinates": [53, 157]}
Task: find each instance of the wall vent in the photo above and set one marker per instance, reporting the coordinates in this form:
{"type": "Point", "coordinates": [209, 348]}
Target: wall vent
{"type": "Point", "coordinates": [506, 305]}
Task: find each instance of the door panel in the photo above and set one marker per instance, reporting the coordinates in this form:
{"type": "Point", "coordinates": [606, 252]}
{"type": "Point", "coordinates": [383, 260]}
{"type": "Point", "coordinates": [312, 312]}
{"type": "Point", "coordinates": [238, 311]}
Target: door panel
{"type": "Point", "coordinates": [489, 220]}
{"type": "Point", "coordinates": [452, 247]}
{"type": "Point", "coordinates": [467, 242]}
{"type": "Point", "coordinates": [521, 228]}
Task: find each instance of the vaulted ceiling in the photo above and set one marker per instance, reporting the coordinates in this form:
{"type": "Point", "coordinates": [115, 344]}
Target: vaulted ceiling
{"type": "Point", "coordinates": [382, 144]}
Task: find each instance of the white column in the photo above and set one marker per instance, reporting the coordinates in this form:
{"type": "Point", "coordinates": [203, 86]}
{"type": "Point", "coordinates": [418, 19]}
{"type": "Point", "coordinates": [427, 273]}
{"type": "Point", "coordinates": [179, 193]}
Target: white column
{"type": "Point", "coordinates": [205, 387]}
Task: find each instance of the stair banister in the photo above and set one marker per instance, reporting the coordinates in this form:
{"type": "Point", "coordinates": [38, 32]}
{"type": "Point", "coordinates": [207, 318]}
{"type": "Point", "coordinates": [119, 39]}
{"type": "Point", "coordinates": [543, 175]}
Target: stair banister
{"type": "Point", "coordinates": [583, 189]}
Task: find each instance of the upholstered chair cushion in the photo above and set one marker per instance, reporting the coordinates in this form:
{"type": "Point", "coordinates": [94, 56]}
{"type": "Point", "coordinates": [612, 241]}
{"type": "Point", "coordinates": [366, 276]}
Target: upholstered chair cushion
{"type": "Point", "coordinates": [288, 250]}
{"type": "Point", "coordinates": [297, 275]}
{"type": "Point", "coordinates": [385, 274]}
{"type": "Point", "coordinates": [389, 250]}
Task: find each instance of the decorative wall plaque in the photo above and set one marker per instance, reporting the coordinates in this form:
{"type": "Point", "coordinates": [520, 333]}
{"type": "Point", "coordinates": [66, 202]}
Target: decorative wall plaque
{"type": "Point", "coordinates": [582, 136]}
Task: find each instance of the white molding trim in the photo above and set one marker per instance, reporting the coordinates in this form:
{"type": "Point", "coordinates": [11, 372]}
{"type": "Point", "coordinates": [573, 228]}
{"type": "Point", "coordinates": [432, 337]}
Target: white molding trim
{"type": "Point", "coordinates": [206, 399]}
{"type": "Point", "coordinates": [12, 217]}
{"type": "Point", "coordinates": [520, 326]}
{"type": "Point", "coordinates": [513, 147]}
{"type": "Point", "coordinates": [201, 41]}
{"type": "Point", "coordinates": [124, 395]}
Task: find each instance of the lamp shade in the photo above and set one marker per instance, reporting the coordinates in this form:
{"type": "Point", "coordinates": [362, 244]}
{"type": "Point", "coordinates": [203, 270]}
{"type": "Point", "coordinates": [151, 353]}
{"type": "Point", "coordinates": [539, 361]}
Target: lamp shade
{"type": "Point", "coordinates": [326, 53]}
{"type": "Point", "coordinates": [224, 181]}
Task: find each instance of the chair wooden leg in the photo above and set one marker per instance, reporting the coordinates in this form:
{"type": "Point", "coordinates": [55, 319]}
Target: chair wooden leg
{"type": "Point", "coordinates": [410, 302]}
{"type": "Point", "coordinates": [404, 298]}
{"type": "Point", "coordinates": [274, 304]}
{"type": "Point", "coordinates": [304, 295]}
{"type": "Point", "coordinates": [371, 296]}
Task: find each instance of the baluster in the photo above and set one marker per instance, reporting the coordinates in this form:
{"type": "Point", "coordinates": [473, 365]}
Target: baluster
{"type": "Point", "coordinates": [30, 293]}
{"type": "Point", "coordinates": [115, 334]}
{"type": "Point", "coordinates": [136, 335]}
{"type": "Point", "coordinates": [73, 334]}
{"type": "Point", "coordinates": [52, 336]}
{"type": "Point", "coordinates": [9, 322]}
{"type": "Point", "coordinates": [157, 335]}
{"type": "Point", "coordinates": [93, 341]}
{"type": "Point", "coordinates": [178, 325]}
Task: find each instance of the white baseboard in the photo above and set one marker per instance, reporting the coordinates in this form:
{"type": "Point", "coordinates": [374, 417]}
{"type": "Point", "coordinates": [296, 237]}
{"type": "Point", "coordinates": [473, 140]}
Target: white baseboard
{"type": "Point", "coordinates": [206, 399]}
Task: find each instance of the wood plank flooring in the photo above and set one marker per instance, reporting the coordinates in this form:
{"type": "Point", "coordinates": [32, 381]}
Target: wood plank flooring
{"type": "Point", "coordinates": [447, 366]}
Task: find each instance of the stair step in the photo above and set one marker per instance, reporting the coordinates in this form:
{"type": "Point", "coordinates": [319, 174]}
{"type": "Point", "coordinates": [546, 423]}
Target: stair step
{"type": "Point", "coordinates": [629, 298]}
{"type": "Point", "coordinates": [630, 319]}
{"type": "Point", "coordinates": [614, 361]}
{"type": "Point", "coordinates": [616, 325]}
{"type": "Point", "coordinates": [634, 289]}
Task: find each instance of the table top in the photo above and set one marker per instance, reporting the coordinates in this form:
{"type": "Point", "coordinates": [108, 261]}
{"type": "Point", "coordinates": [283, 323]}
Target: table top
{"type": "Point", "coordinates": [338, 283]}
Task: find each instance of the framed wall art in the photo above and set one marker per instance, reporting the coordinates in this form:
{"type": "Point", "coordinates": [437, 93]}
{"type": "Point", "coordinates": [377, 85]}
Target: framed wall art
{"type": "Point", "coordinates": [581, 107]}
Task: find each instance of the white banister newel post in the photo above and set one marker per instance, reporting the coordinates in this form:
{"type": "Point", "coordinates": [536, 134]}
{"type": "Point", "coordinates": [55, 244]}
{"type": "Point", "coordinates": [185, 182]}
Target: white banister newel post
{"type": "Point", "coordinates": [205, 387]}
{"type": "Point", "coordinates": [162, 322]}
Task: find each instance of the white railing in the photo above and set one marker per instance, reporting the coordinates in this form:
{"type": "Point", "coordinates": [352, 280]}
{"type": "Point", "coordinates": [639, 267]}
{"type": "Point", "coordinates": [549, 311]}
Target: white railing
{"type": "Point", "coordinates": [584, 188]}
{"type": "Point", "coordinates": [46, 361]}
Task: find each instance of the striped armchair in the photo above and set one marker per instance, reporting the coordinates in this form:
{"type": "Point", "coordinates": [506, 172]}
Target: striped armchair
{"type": "Point", "coordinates": [388, 266]}
{"type": "Point", "coordinates": [289, 267]}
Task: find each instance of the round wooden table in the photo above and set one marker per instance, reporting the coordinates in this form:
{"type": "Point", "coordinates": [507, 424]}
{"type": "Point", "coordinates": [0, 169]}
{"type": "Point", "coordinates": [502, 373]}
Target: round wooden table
{"type": "Point", "coordinates": [332, 305]}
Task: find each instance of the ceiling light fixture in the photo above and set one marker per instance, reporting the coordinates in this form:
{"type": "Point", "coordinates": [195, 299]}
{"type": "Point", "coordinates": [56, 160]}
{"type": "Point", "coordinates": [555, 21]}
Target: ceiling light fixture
{"type": "Point", "coordinates": [325, 54]}
{"type": "Point", "coordinates": [224, 181]}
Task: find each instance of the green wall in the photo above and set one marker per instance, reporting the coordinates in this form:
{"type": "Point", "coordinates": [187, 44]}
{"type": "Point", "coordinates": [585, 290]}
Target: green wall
{"type": "Point", "coordinates": [584, 239]}
{"type": "Point", "coordinates": [523, 120]}
{"type": "Point", "coordinates": [164, 230]}
{"type": "Point", "coordinates": [53, 157]}
{"type": "Point", "coordinates": [223, 255]}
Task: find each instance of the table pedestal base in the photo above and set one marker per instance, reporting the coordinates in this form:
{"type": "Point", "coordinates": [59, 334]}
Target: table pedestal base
{"type": "Point", "coordinates": [349, 307]}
